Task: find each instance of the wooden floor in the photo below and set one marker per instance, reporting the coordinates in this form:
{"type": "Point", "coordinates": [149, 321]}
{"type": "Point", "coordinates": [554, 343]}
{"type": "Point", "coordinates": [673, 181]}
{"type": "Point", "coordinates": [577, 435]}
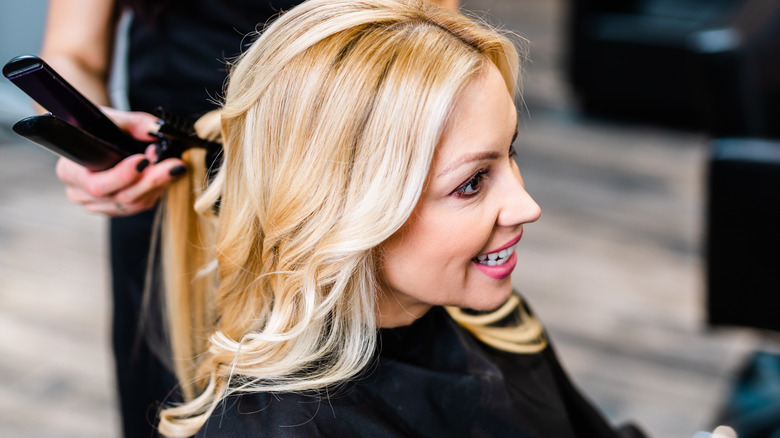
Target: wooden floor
{"type": "Point", "coordinates": [613, 267]}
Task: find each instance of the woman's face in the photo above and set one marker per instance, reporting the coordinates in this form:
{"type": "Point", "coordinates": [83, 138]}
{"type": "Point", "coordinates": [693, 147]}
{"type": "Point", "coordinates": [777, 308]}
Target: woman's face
{"type": "Point", "coordinates": [457, 248]}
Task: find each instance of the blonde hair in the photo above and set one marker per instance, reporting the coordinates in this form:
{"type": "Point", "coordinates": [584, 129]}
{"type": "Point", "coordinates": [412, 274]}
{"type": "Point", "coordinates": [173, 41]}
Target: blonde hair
{"type": "Point", "coordinates": [329, 126]}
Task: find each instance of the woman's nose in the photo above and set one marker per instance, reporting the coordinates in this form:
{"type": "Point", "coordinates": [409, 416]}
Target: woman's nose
{"type": "Point", "coordinates": [517, 206]}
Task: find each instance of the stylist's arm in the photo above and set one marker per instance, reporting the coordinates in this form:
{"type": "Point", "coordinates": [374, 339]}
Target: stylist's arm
{"type": "Point", "coordinates": [77, 43]}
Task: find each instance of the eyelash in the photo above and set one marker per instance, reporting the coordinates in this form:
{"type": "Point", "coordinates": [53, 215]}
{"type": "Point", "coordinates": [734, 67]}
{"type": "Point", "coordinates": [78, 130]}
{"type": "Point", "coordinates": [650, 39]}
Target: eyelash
{"type": "Point", "coordinates": [478, 177]}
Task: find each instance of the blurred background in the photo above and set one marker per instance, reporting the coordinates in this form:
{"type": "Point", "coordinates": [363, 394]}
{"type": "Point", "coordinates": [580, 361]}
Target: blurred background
{"type": "Point", "coordinates": [647, 136]}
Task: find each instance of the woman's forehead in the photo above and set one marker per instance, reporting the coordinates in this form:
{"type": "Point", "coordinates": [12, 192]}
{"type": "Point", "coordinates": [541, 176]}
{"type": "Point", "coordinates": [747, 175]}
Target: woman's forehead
{"type": "Point", "coordinates": [483, 117]}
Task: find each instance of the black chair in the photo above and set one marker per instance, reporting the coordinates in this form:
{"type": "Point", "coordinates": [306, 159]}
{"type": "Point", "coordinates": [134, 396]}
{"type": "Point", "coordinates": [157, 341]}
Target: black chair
{"type": "Point", "coordinates": [743, 233]}
{"type": "Point", "coordinates": [737, 72]}
{"type": "Point", "coordinates": [701, 64]}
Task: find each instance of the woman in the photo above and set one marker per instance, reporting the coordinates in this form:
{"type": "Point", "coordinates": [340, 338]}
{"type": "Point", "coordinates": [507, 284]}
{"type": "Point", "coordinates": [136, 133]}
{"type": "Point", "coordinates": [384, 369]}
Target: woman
{"type": "Point", "coordinates": [368, 179]}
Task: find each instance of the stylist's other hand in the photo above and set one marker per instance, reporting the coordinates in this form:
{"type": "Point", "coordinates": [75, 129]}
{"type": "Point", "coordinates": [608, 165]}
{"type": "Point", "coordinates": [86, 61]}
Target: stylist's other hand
{"type": "Point", "coordinates": [134, 185]}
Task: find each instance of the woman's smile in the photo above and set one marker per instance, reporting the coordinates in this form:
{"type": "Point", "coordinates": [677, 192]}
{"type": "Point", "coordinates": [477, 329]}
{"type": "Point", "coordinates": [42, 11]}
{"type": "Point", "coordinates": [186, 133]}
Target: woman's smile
{"type": "Point", "coordinates": [499, 256]}
{"type": "Point", "coordinates": [499, 263]}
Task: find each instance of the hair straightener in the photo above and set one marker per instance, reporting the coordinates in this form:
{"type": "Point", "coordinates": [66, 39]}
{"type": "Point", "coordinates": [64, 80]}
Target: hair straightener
{"type": "Point", "coordinates": [77, 129]}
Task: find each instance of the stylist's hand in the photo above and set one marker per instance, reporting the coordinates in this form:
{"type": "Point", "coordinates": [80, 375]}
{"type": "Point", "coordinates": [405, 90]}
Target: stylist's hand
{"type": "Point", "coordinates": [132, 186]}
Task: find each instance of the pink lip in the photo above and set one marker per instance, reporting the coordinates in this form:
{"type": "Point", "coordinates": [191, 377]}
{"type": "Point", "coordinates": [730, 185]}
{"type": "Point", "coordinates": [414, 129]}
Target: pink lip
{"type": "Point", "coordinates": [501, 272]}
{"type": "Point", "coordinates": [510, 243]}
{"type": "Point", "coordinates": [498, 272]}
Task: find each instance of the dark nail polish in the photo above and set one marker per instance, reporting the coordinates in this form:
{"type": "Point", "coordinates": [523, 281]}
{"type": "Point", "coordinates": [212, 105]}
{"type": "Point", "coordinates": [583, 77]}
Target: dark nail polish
{"type": "Point", "coordinates": [142, 165]}
{"type": "Point", "coordinates": [178, 170]}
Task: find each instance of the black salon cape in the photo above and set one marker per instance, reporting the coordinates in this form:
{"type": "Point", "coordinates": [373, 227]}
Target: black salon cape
{"type": "Point", "coordinates": [430, 379]}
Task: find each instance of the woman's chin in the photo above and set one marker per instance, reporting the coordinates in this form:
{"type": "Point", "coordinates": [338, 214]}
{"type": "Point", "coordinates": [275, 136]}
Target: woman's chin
{"type": "Point", "coordinates": [489, 301]}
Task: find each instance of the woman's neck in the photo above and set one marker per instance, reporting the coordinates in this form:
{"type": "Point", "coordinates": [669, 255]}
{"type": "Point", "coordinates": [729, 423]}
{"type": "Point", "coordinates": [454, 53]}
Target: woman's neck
{"type": "Point", "coordinates": [397, 310]}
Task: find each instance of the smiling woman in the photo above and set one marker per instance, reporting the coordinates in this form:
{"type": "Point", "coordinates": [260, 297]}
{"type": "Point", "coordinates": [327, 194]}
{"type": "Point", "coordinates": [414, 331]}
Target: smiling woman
{"type": "Point", "coordinates": [457, 249]}
{"type": "Point", "coordinates": [368, 209]}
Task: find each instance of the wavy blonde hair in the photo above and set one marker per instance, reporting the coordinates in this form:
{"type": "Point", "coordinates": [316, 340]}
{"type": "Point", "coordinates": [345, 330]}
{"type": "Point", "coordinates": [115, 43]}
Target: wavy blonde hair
{"type": "Point", "coordinates": [329, 126]}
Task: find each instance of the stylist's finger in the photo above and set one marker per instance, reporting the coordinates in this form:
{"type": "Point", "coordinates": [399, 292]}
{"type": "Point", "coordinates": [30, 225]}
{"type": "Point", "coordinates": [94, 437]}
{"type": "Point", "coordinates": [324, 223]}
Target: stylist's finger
{"type": "Point", "coordinates": [101, 184]}
{"type": "Point", "coordinates": [153, 179]}
{"type": "Point", "coordinates": [110, 207]}
{"type": "Point", "coordinates": [143, 203]}
{"type": "Point", "coordinates": [137, 124]}
{"type": "Point", "coordinates": [115, 206]}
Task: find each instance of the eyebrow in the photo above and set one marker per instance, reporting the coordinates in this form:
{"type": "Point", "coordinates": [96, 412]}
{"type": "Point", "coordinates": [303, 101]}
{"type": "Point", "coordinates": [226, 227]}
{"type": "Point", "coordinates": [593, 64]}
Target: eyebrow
{"type": "Point", "coordinates": [470, 158]}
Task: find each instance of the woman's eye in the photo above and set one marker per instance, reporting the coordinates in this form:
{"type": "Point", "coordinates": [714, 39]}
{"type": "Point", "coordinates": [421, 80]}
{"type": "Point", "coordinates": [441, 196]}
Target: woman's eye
{"type": "Point", "coordinates": [471, 187]}
{"type": "Point", "coordinates": [512, 152]}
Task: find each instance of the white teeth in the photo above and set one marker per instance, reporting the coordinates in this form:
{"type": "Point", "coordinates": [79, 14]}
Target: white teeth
{"type": "Point", "coordinates": [496, 258]}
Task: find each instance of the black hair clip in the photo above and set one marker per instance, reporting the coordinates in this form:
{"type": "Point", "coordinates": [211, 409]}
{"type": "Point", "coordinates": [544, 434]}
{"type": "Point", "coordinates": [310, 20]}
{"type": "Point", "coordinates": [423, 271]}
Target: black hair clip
{"type": "Point", "coordinates": [176, 134]}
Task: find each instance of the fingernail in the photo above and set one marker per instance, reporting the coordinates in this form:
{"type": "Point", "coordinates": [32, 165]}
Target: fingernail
{"type": "Point", "coordinates": [178, 170]}
{"type": "Point", "coordinates": [142, 165]}
{"type": "Point", "coordinates": [154, 130]}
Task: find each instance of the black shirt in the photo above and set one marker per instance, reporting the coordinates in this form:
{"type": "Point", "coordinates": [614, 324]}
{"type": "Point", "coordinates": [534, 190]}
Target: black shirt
{"type": "Point", "coordinates": [178, 58]}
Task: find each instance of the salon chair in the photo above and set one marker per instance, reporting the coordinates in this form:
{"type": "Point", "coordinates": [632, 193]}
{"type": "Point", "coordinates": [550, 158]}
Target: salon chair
{"type": "Point", "coordinates": [743, 233]}
{"type": "Point", "coordinates": [700, 64]}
